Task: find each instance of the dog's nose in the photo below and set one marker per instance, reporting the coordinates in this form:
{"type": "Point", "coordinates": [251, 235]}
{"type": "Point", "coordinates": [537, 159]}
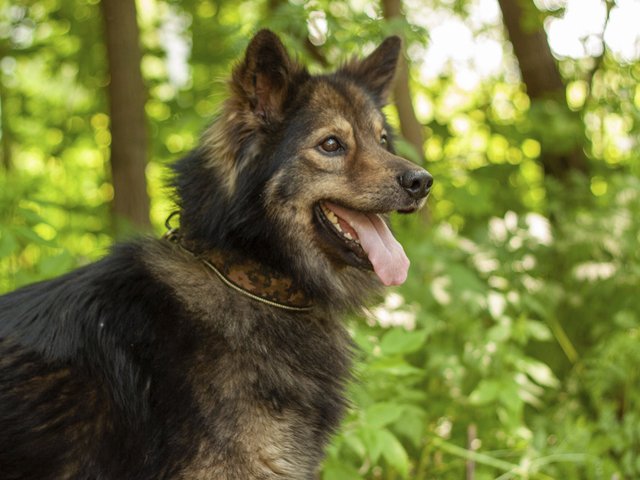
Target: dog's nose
{"type": "Point", "coordinates": [416, 183]}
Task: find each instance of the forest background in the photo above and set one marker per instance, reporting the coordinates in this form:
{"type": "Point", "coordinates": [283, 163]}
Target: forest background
{"type": "Point", "coordinates": [512, 350]}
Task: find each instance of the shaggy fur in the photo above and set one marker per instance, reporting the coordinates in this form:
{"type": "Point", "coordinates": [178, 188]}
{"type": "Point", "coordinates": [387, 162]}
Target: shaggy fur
{"type": "Point", "coordinates": [145, 366]}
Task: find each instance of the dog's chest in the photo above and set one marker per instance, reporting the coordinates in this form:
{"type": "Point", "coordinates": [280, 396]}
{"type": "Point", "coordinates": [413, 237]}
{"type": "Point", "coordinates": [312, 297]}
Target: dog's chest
{"type": "Point", "coordinates": [261, 446]}
{"type": "Point", "coordinates": [269, 397]}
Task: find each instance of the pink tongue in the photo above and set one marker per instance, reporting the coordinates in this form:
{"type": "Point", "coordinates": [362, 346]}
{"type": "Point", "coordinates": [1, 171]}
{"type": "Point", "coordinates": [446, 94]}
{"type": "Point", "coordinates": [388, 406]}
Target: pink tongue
{"type": "Point", "coordinates": [385, 253]}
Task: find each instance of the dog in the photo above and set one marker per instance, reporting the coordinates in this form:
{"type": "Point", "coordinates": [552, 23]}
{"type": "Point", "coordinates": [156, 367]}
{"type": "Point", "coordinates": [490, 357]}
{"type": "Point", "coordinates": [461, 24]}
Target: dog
{"type": "Point", "coordinates": [218, 351]}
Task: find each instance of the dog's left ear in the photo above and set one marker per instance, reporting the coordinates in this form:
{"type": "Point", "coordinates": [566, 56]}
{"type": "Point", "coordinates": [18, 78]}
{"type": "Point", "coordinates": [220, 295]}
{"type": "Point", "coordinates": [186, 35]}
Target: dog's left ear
{"type": "Point", "coordinates": [263, 78]}
{"type": "Point", "coordinates": [376, 72]}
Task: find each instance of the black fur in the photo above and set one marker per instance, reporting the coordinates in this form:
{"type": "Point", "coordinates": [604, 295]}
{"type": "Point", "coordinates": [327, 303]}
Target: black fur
{"type": "Point", "coordinates": [78, 356]}
{"type": "Point", "coordinates": [145, 366]}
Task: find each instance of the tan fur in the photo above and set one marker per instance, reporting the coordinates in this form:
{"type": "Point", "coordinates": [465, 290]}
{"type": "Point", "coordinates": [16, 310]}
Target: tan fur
{"type": "Point", "coordinates": [264, 443]}
{"type": "Point", "coordinates": [365, 178]}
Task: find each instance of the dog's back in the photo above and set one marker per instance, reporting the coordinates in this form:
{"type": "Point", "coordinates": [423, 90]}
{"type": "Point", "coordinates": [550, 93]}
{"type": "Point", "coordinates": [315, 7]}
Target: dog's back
{"type": "Point", "coordinates": [74, 376]}
{"type": "Point", "coordinates": [218, 352]}
{"type": "Point", "coordinates": [105, 374]}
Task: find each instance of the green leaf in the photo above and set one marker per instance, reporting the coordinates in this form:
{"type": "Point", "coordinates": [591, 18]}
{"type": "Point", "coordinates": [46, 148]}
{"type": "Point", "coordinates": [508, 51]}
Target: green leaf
{"type": "Point", "coordinates": [336, 470]}
{"type": "Point", "coordinates": [393, 366]}
{"type": "Point", "coordinates": [509, 396]}
{"type": "Point", "coordinates": [539, 373]}
{"type": "Point", "coordinates": [499, 333]}
{"type": "Point", "coordinates": [355, 443]}
{"type": "Point", "coordinates": [372, 441]}
{"type": "Point", "coordinates": [535, 306]}
{"type": "Point", "coordinates": [381, 414]}
{"type": "Point", "coordinates": [33, 237]}
{"type": "Point", "coordinates": [398, 340]}
{"type": "Point", "coordinates": [487, 391]}
{"type": "Point", "coordinates": [32, 217]}
{"type": "Point", "coordinates": [56, 264]}
{"type": "Point", "coordinates": [538, 331]}
{"type": "Point", "coordinates": [394, 453]}
{"type": "Point", "coordinates": [465, 279]}
{"type": "Point", "coordinates": [363, 340]}
{"type": "Point", "coordinates": [8, 243]}
{"type": "Point", "coordinates": [411, 424]}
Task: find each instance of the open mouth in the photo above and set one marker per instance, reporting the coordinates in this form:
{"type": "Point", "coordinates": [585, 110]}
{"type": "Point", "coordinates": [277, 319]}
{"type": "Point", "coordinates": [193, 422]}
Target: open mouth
{"type": "Point", "coordinates": [363, 240]}
{"type": "Point", "coordinates": [342, 235]}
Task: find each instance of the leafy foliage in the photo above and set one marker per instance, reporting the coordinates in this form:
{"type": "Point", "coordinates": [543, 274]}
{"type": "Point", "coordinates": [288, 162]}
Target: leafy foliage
{"type": "Point", "coordinates": [513, 345]}
{"type": "Point", "coordinates": [514, 332]}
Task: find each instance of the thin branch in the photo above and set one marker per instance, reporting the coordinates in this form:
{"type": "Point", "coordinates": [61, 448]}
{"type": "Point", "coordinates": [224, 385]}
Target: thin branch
{"type": "Point", "coordinates": [315, 53]}
{"type": "Point", "coordinates": [472, 436]}
{"type": "Point", "coordinates": [600, 58]}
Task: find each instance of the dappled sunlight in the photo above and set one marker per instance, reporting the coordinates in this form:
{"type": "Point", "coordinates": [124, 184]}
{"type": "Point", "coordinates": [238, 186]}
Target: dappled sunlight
{"type": "Point", "coordinates": [393, 313]}
{"type": "Point", "coordinates": [581, 30]}
{"type": "Point", "coordinates": [513, 343]}
{"type": "Point", "coordinates": [594, 271]}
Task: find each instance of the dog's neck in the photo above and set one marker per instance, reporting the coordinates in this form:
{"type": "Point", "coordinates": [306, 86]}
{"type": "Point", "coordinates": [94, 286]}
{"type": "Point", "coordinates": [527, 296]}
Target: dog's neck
{"type": "Point", "coordinates": [257, 280]}
{"type": "Point", "coordinates": [249, 277]}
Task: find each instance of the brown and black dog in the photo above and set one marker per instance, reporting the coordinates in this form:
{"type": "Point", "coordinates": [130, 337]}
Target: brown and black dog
{"type": "Point", "coordinates": [218, 352]}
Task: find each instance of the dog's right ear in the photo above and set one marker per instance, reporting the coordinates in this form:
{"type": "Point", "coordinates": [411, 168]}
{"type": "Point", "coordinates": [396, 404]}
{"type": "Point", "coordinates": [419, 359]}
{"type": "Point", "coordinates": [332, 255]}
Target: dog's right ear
{"type": "Point", "coordinates": [376, 72]}
{"type": "Point", "coordinates": [264, 76]}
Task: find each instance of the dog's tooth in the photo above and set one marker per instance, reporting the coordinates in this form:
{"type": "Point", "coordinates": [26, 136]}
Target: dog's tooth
{"type": "Point", "coordinates": [335, 221]}
{"type": "Point", "coordinates": [330, 215]}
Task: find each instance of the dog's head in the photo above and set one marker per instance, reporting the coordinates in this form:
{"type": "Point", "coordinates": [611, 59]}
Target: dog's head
{"type": "Point", "coordinates": [299, 172]}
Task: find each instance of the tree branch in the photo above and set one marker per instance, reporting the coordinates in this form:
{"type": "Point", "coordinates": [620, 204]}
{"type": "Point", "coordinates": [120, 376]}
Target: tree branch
{"type": "Point", "coordinates": [411, 129]}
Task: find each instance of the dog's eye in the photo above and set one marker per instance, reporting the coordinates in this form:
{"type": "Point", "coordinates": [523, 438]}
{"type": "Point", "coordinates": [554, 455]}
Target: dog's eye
{"type": "Point", "coordinates": [331, 145]}
{"type": "Point", "coordinates": [384, 142]}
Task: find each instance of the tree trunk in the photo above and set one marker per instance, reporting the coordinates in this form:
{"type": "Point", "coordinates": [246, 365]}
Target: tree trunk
{"type": "Point", "coordinates": [127, 97]}
{"type": "Point", "coordinates": [410, 127]}
{"type": "Point", "coordinates": [542, 78]}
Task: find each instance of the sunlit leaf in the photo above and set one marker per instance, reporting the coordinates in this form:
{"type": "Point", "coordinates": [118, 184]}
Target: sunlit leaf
{"type": "Point", "coordinates": [382, 414]}
{"type": "Point", "coordinates": [398, 340]}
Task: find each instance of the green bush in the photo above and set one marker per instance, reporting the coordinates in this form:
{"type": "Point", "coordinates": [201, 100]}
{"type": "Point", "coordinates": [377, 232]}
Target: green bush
{"type": "Point", "coordinates": [521, 332]}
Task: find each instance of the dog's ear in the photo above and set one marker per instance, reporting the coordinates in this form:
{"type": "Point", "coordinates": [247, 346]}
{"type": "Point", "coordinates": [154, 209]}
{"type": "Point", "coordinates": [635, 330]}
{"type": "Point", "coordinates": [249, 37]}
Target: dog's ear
{"type": "Point", "coordinates": [376, 72]}
{"type": "Point", "coordinates": [264, 76]}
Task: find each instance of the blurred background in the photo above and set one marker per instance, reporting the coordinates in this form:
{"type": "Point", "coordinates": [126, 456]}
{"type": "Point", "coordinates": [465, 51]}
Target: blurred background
{"type": "Point", "coordinates": [513, 349]}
